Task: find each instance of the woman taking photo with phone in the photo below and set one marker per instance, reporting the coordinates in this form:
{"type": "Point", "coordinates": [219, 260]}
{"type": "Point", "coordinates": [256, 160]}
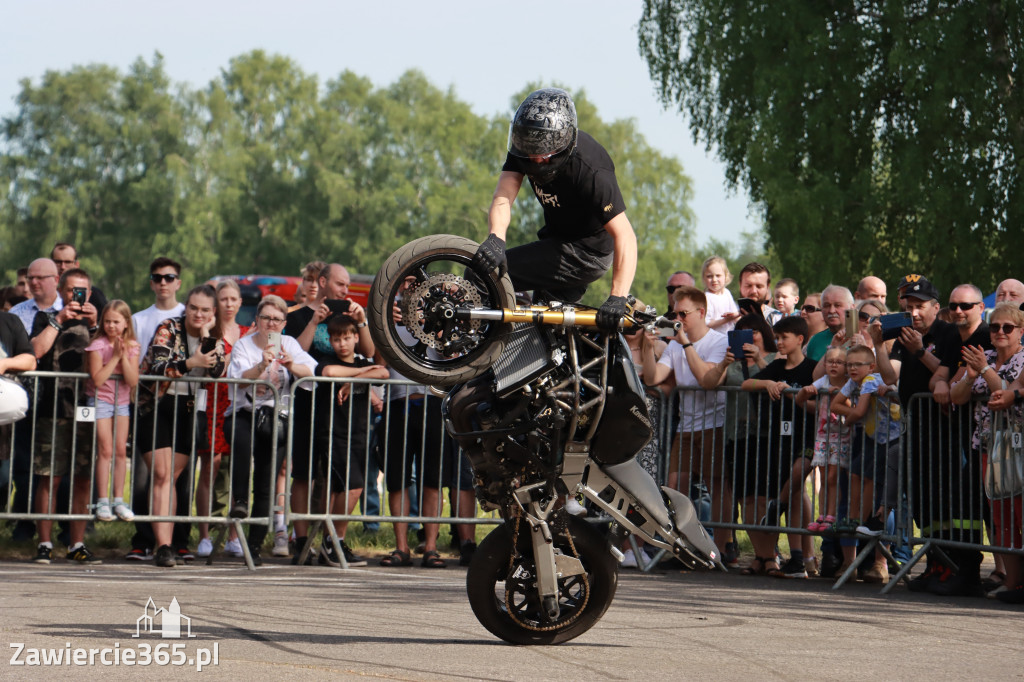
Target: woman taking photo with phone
{"type": "Point", "coordinates": [274, 359]}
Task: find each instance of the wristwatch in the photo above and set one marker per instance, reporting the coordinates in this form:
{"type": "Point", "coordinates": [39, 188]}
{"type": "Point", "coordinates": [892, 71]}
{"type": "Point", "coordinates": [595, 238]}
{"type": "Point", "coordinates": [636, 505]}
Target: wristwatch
{"type": "Point", "coordinates": [687, 345]}
{"type": "Point", "coordinates": [51, 319]}
{"type": "Point", "coordinates": [361, 324]}
{"type": "Point", "coordinates": [919, 353]}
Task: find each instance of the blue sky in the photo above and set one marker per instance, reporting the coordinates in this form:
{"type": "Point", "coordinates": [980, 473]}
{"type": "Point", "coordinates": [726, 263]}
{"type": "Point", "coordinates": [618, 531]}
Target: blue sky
{"type": "Point", "coordinates": [484, 50]}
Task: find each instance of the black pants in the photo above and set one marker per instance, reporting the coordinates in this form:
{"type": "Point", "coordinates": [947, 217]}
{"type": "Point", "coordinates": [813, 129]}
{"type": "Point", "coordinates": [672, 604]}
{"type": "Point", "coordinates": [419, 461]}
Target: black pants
{"type": "Point", "coordinates": [264, 457]}
{"type": "Point", "coordinates": [555, 270]}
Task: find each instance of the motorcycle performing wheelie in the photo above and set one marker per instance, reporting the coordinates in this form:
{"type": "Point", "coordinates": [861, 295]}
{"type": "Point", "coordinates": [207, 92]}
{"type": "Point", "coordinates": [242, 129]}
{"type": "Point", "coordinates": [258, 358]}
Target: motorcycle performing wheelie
{"type": "Point", "coordinates": [547, 407]}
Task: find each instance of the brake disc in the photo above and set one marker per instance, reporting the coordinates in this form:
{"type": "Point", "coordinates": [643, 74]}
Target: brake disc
{"type": "Point", "coordinates": [431, 304]}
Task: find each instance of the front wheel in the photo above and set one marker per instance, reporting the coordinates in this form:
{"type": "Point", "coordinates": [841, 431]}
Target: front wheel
{"type": "Point", "coordinates": [429, 281]}
{"type": "Point", "coordinates": [503, 594]}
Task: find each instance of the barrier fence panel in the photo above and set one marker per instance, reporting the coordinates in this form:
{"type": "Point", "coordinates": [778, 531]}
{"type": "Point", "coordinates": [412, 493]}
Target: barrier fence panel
{"type": "Point", "coordinates": [63, 453]}
{"type": "Point", "coordinates": [353, 434]}
{"type": "Point", "coordinates": [890, 477]}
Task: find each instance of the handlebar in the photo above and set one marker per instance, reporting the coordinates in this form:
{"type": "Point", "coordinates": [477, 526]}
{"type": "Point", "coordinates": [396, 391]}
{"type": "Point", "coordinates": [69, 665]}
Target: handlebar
{"type": "Point", "coordinates": [566, 317]}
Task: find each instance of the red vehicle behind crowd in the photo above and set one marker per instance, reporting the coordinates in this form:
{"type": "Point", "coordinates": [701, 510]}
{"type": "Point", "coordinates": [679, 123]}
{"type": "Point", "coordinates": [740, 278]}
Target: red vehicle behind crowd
{"type": "Point", "coordinates": [255, 287]}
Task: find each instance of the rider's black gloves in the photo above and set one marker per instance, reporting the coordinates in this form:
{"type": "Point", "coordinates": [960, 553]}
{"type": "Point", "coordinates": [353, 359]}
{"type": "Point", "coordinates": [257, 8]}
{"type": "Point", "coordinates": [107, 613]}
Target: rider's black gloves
{"type": "Point", "coordinates": [491, 255]}
{"type": "Point", "coordinates": [611, 313]}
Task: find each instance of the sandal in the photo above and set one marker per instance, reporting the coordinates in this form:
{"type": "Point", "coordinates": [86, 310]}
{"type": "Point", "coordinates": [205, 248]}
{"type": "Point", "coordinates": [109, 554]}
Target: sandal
{"type": "Point", "coordinates": [756, 567]}
{"type": "Point", "coordinates": [396, 558]}
{"type": "Point", "coordinates": [776, 572]}
{"type": "Point", "coordinates": [432, 559]}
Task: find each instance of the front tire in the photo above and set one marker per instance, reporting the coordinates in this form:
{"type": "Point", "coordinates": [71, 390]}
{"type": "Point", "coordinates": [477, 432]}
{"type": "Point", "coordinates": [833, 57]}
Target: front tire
{"type": "Point", "coordinates": [444, 259]}
{"type": "Point", "coordinates": [582, 601]}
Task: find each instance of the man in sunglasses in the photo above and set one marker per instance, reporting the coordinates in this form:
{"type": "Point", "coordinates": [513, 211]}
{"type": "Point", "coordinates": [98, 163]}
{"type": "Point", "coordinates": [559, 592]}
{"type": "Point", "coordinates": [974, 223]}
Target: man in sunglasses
{"type": "Point", "coordinates": [946, 490]}
{"type": "Point", "coordinates": [966, 305]}
{"type": "Point", "coordinates": [165, 281]}
{"type": "Point", "coordinates": [679, 278]}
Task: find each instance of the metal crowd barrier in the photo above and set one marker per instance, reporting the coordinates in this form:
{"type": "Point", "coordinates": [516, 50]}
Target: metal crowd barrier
{"type": "Point", "coordinates": [61, 419]}
{"type": "Point", "coordinates": [734, 463]}
{"type": "Point", "coordinates": [405, 439]}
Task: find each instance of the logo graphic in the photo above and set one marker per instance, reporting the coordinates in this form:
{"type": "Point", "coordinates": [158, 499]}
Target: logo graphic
{"type": "Point", "coordinates": [545, 198]}
{"type": "Point", "coordinates": [171, 621]}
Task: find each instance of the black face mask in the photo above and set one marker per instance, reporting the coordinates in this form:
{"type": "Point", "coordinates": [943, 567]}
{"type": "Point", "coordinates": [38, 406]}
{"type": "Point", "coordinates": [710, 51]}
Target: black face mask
{"type": "Point", "coordinates": [543, 173]}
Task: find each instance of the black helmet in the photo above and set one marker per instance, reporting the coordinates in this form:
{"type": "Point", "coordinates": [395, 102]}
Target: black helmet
{"type": "Point", "coordinates": [543, 132]}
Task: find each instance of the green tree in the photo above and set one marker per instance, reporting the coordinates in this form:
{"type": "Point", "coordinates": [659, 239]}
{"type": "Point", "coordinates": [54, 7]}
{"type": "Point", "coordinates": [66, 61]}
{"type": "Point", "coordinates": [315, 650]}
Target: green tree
{"type": "Point", "coordinates": [88, 159]}
{"type": "Point", "coordinates": [880, 138]}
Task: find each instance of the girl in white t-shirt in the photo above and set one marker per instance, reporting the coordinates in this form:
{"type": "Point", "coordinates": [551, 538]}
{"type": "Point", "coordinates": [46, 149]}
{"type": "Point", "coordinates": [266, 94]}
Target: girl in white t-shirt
{"type": "Point", "coordinates": [722, 310]}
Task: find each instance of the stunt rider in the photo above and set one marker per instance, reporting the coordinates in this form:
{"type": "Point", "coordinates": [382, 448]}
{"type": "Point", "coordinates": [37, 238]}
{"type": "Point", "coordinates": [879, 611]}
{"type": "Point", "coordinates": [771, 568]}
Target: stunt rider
{"type": "Point", "coordinates": [586, 229]}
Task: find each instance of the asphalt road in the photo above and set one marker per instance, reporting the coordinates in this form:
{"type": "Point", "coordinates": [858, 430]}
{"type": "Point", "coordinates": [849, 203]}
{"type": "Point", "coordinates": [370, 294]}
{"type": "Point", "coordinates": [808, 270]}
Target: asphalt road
{"type": "Point", "coordinates": [283, 622]}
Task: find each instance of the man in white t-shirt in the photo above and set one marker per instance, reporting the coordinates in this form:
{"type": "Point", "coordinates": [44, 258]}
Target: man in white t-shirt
{"type": "Point", "coordinates": [165, 281]}
{"type": "Point", "coordinates": [697, 449]}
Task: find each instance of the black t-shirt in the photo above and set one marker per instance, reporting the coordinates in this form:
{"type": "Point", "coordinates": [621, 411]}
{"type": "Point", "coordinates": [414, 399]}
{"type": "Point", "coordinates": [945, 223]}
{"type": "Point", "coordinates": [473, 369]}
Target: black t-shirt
{"type": "Point", "coordinates": [13, 337]}
{"type": "Point", "coordinates": [327, 399]}
{"type": "Point", "coordinates": [980, 337]}
{"type": "Point", "coordinates": [775, 414]}
{"type": "Point", "coordinates": [581, 199]}
{"type": "Point", "coordinates": [942, 341]}
{"type": "Point", "coordinates": [98, 300]}
{"type": "Point", "coordinates": [297, 321]}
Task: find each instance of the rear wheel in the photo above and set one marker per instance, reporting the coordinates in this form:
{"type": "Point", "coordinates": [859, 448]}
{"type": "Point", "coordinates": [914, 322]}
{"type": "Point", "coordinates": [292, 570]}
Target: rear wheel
{"type": "Point", "coordinates": [504, 597]}
{"type": "Point", "coordinates": [429, 279]}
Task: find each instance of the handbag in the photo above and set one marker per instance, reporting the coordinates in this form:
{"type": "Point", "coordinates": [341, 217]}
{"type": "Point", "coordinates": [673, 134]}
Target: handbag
{"type": "Point", "coordinates": [1004, 476]}
{"type": "Point", "coordinates": [264, 418]}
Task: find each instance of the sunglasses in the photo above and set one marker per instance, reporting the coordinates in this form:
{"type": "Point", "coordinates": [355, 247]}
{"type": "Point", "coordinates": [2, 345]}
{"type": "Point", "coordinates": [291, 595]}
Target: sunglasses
{"type": "Point", "coordinates": [1005, 328]}
{"type": "Point", "coordinates": [963, 306]}
{"type": "Point", "coordinates": [681, 315]}
{"type": "Point", "coordinates": [162, 278]}
{"type": "Point", "coordinates": [811, 309]}
{"type": "Point", "coordinates": [670, 288]}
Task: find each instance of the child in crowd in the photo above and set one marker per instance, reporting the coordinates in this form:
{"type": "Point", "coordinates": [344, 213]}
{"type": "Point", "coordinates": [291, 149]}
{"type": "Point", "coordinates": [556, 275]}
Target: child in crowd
{"type": "Point", "coordinates": [722, 310]}
{"type": "Point", "coordinates": [113, 350]}
{"type": "Point", "coordinates": [343, 427]}
{"type": "Point", "coordinates": [792, 431]}
{"type": "Point", "coordinates": [864, 402]}
{"type": "Point", "coordinates": [832, 439]}
{"type": "Point", "coordinates": [787, 295]}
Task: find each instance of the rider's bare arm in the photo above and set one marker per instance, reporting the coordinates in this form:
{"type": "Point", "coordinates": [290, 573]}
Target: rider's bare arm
{"type": "Point", "coordinates": [500, 214]}
{"type": "Point", "coordinates": [624, 265]}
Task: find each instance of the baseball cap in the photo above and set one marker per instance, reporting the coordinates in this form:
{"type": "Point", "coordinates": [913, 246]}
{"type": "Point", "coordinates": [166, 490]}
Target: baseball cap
{"type": "Point", "coordinates": [916, 286]}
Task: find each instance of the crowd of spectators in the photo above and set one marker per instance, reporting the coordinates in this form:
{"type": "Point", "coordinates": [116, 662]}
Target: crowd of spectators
{"type": "Point", "coordinates": [775, 398]}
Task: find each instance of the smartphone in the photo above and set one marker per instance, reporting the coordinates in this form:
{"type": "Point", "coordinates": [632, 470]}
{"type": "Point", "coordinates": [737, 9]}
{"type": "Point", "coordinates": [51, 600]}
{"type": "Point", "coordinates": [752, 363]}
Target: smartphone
{"type": "Point", "coordinates": [852, 324]}
{"type": "Point", "coordinates": [738, 337]}
{"type": "Point", "coordinates": [274, 342]}
{"type": "Point", "coordinates": [208, 344]}
{"type": "Point", "coordinates": [78, 295]}
{"type": "Point", "coordinates": [748, 306]}
{"type": "Point", "coordinates": [893, 323]}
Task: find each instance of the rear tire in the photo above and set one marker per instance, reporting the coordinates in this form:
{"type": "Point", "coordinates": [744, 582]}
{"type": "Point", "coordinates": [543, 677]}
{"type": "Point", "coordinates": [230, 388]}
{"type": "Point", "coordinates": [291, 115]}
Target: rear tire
{"type": "Point", "coordinates": [437, 254]}
{"type": "Point", "coordinates": [489, 572]}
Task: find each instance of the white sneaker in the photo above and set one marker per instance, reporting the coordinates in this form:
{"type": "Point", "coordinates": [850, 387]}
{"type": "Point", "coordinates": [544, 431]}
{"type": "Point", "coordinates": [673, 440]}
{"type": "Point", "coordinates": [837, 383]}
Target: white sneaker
{"type": "Point", "coordinates": [573, 506]}
{"type": "Point", "coordinates": [205, 547]}
{"type": "Point", "coordinates": [103, 512]}
{"type": "Point", "coordinates": [280, 544]}
{"type": "Point", "coordinates": [233, 547]}
{"type": "Point", "coordinates": [124, 512]}
{"type": "Point", "coordinates": [629, 559]}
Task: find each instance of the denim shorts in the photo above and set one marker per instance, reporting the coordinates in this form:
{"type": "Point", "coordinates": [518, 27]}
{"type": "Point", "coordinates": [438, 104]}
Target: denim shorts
{"type": "Point", "coordinates": [105, 410]}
